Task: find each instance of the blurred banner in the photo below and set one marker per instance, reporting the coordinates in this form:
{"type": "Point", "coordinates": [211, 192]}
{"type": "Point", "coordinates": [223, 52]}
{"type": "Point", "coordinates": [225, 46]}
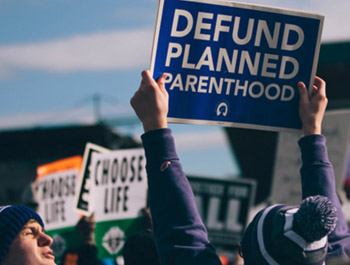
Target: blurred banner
{"type": "Point", "coordinates": [118, 193]}
{"type": "Point", "coordinates": [286, 187]}
{"type": "Point", "coordinates": [56, 187]}
{"type": "Point", "coordinates": [224, 207]}
{"type": "Point", "coordinates": [233, 64]}
{"type": "Point", "coordinates": [112, 184]}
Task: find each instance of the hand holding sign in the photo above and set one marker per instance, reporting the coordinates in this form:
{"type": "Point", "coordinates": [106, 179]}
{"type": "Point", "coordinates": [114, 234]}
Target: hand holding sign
{"type": "Point", "coordinates": [150, 102]}
{"type": "Point", "coordinates": [312, 109]}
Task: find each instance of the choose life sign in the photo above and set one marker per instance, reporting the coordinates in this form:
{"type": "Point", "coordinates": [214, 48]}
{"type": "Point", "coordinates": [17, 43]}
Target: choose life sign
{"type": "Point", "coordinates": [235, 64]}
{"type": "Point", "coordinates": [56, 187]}
{"type": "Point", "coordinates": [117, 193]}
{"type": "Point", "coordinates": [118, 184]}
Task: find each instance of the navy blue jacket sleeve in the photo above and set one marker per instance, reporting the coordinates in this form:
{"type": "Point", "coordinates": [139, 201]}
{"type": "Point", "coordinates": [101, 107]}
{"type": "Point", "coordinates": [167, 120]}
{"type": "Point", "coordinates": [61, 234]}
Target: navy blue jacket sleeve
{"type": "Point", "coordinates": [181, 238]}
{"type": "Point", "coordinates": [317, 178]}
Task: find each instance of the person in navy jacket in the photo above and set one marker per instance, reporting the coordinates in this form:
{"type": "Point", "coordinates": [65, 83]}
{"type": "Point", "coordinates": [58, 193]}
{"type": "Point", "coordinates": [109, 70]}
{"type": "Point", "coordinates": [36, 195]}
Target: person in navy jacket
{"type": "Point", "coordinates": [180, 235]}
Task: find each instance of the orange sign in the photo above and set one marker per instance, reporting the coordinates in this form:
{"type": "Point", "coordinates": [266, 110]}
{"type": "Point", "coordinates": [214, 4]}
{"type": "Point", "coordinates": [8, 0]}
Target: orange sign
{"type": "Point", "coordinates": [69, 163]}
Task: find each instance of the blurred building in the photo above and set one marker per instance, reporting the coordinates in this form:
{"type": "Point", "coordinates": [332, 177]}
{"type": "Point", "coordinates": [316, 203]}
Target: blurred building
{"type": "Point", "coordinates": [22, 150]}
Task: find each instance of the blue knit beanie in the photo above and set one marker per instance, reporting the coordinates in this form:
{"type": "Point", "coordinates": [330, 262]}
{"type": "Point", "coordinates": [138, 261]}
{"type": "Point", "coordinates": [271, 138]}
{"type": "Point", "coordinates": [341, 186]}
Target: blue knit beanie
{"type": "Point", "coordinates": [12, 219]}
{"type": "Point", "coordinates": [285, 235]}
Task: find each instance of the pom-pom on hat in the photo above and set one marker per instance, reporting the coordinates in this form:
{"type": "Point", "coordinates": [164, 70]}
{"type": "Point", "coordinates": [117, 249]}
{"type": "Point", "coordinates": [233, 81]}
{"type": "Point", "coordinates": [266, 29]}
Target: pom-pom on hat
{"type": "Point", "coordinates": [285, 235]}
{"type": "Point", "coordinates": [12, 219]}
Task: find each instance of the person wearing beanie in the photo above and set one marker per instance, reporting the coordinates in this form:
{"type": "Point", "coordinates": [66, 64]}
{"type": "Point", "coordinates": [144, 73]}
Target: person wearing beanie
{"type": "Point", "coordinates": [282, 234]}
{"type": "Point", "coordinates": [317, 178]}
{"type": "Point", "coordinates": [180, 235]}
{"type": "Point", "coordinates": [22, 238]}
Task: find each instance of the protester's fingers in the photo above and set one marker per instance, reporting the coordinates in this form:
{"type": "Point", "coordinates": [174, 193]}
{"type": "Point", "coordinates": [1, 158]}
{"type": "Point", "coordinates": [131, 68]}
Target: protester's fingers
{"type": "Point", "coordinates": [161, 82]}
{"type": "Point", "coordinates": [133, 100]}
{"type": "Point", "coordinates": [304, 96]}
{"type": "Point", "coordinates": [314, 91]}
{"type": "Point", "coordinates": [321, 85]}
{"type": "Point", "coordinates": [145, 74]}
{"type": "Point", "coordinates": [147, 78]}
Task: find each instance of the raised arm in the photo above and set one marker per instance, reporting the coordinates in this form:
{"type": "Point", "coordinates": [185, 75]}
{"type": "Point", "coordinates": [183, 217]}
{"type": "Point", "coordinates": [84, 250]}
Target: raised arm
{"type": "Point", "coordinates": [317, 174]}
{"type": "Point", "coordinates": [180, 235]}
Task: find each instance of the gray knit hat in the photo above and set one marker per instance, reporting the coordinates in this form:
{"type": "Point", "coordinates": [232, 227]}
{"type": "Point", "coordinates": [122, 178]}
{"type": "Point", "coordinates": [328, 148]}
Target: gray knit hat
{"type": "Point", "coordinates": [12, 219]}
{"type": "Point", "coordinates": [285, 235]}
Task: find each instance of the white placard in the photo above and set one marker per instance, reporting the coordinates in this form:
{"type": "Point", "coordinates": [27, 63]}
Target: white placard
{"type": "Point", "coordinates": [118, 184]}
{"type": "Point", "coordinates": [286, 187]}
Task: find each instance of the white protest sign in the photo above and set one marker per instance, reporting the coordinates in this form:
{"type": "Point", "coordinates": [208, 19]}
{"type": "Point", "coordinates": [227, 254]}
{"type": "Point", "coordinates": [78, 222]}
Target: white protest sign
{"type": "Point", "coordinates": [286, 186]}
{"type": "Point", "coordinates": [56, 186]}
{"type": "Point", "coordinates": [118, 184]}
{"type": "Point", "coordinates": [224, 206]}
{"type": "Point", "coordinates": [234, 64]}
